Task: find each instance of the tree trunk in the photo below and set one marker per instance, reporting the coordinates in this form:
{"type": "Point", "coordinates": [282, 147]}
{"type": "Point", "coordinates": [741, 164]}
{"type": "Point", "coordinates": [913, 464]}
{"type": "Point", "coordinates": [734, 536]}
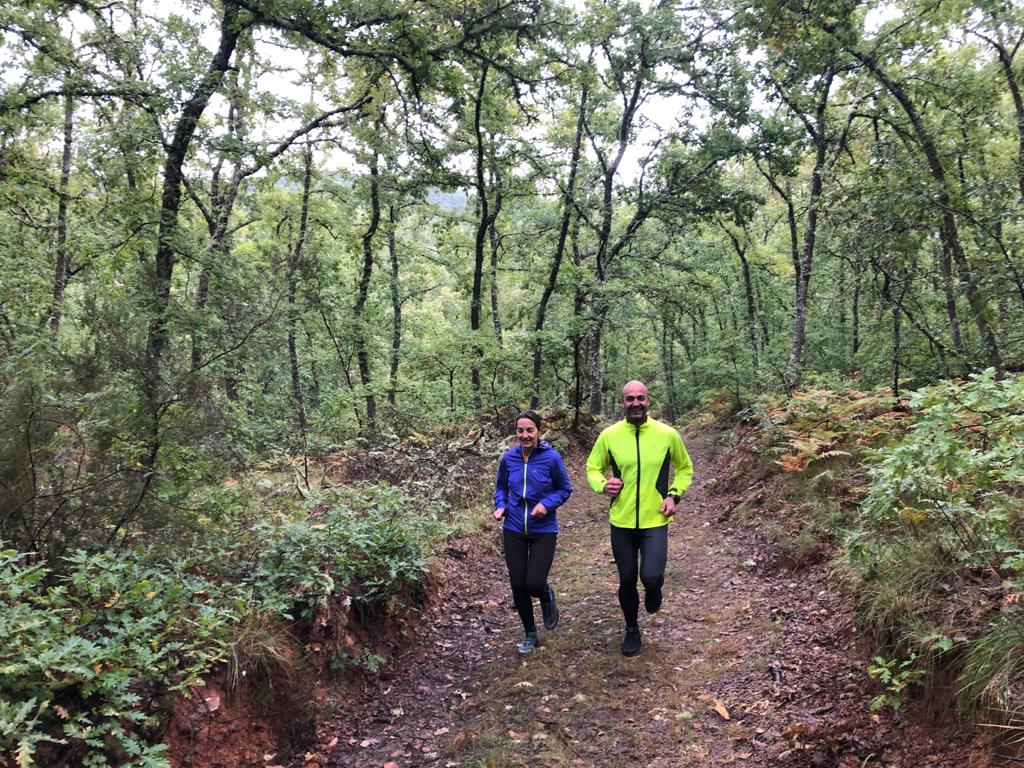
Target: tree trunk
{"type": "Point", "coordinates": [222, 202]}
{"type": "Point", "coordinates": [1006, 61]}
{"type": "Point", "coordinates": [794, 368]}
{"type": "Point", "coordinates": [164, 259]}
{"type": "Point", "coordinates": [949, 293]}
{"type": "Point", "coordinates": [855, 312]}
{"type": "Point", "coordinates": [396, 307]}
{"type": "Point", "coordinates": [751, 319]}
{"type": "Point", "coordinates": [896, 340]}
{"type": "Point", "coordinates": [492, 232]}
{"type": "Point", "coordinates": [668, 364]}
{"type": "Point", "coordinates": [794, 237]}
{"type": "Point", "coordinates": [556, 262]}
{"type": "Point", "coordinates": [577, 337]}
{"type": "Point", "coordinates": [594, 352]}
{"type": "Point", "coordinates": [362, 356]}
{"type": "Point", "coordinates": [60, 277]}
{"type": "Point", "coordinates": [294, 269]}
{"type": "Point", "coordinates": [605, 252]}
{"type": "Point", "coordinates": [483, 224]}
{"type": "Point", "coordinates": [170, 202]}
{"type": "Point", "coordinates": [948, 230]}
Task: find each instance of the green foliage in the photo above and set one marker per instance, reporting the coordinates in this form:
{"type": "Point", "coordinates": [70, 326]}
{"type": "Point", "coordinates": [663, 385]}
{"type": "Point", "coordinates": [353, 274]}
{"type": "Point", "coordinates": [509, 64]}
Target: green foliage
{"type": "Point", "coordinates": [87, 655]}
{"type": "Point", "coordinates": [956, 477]}
{"type": "Point", "coordinates": [90, 651]}
{"type": "Point", "coordinates": [940, 532]}
{"type": "Point", "coordinates": [896, 675]}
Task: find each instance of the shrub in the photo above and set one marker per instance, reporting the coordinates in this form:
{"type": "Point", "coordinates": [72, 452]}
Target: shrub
{"type": "Point", "coordinates": [91, 651]}
{"type": "Point", "coordinates": [938, 544]}
{"type": "Point", "coordinates": [87, 657]}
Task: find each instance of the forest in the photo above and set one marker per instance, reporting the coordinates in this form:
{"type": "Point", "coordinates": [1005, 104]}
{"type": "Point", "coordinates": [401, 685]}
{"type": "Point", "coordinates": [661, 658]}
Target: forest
{"type": "Point", "coordinates": [246, 242]}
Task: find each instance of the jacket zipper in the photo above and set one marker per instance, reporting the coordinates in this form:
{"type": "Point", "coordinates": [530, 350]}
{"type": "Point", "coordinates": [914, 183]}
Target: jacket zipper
{"type": "Point", "coordinates": [526, 504]}
{"type": "Point", "coordinates": [637, 475]}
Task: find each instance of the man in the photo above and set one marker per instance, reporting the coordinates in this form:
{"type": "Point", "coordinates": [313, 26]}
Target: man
{"type": "Point", "coordinates": [644, 492]}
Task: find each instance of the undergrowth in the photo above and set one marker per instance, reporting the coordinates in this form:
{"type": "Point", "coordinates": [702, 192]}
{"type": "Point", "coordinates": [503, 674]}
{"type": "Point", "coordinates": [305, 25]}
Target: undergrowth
{"type": "Point", "coordinates": [800, 464]}
{"type": "Point", "coordinates": [93, 648]}
{"type": "Point", "coordinates": [935, 557]}
{"type": "Point", "coordinates": [924, 501]}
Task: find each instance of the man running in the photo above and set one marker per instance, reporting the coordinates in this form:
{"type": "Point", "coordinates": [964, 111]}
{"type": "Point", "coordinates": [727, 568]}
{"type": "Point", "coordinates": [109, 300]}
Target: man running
{"type": "Point", "coordinates": [644, 491]}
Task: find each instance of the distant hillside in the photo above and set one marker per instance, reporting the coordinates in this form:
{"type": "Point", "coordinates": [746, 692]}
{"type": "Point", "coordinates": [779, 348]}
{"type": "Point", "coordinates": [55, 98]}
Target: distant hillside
{"type": "Point", "coordinates": [449, 201]}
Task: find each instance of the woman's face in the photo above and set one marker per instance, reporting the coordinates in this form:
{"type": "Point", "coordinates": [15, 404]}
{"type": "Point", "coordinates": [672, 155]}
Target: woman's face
{"type": "Point", "coordinates": [527, 433]}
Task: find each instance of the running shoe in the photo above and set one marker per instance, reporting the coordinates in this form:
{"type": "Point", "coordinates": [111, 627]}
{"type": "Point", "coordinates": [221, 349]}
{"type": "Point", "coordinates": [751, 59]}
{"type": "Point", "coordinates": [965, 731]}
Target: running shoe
{"type": "Point", "coordinates": [631, 642]}
{"type": "Point", "coordinates": [652, 600]}
{"type": "Point", "coordinates": [530, 642]}
{"type": "Point", "coordinates": [549, 608]}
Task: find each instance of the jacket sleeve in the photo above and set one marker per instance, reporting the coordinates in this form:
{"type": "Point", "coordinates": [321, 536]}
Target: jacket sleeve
{"type": "Point", "coordinates": [561, 485]}
{"type": "Point", "coordinates": [683, 467]}
{"type": "Point", "coordinates": [597, 465]}
{"type": "Point", "coordinates": [501, 485]}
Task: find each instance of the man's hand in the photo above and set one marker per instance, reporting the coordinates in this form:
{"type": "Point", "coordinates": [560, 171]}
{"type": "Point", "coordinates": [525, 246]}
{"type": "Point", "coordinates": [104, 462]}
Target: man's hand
{"type": "Point", "coordinates": [668, 506]}
{"type": "Point", "coordinates": [539, 511]}
{"type": "Point", "coordinates": [612, 487]}
{"type": "Point", "coordinates": [499, 513]}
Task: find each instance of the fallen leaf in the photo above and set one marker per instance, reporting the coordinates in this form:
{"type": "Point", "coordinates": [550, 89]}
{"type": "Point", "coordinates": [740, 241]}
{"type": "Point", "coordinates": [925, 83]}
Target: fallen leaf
{"type": "Point", "coordinates": [721, 709]}
{"type": "Point", "coordinates": [440, 731]}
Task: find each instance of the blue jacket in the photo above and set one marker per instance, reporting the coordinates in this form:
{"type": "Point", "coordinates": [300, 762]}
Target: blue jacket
{"type": "Point", "coordinates": [540, 479]}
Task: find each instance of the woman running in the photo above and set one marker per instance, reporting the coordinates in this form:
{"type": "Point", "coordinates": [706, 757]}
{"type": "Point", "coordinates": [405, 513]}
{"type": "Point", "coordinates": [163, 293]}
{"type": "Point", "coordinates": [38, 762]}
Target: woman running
{"type": "Point", "coordinates": [532, 483]}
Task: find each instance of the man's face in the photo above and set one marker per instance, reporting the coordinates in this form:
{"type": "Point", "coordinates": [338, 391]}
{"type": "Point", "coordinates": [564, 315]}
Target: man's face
{"type": "Point", "coordinates": [635, 402]}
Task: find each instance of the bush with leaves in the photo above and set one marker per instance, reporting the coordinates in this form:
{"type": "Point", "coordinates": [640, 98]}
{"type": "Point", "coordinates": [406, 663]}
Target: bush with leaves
{"type": "Point", "coordinates": [91, 653]}
{"type": "Point", "coordinates": [956, 479]}
{"type": "Point", "coordinates": [88, 657]}
{"type": "Point", "coordinates": [937, 550]}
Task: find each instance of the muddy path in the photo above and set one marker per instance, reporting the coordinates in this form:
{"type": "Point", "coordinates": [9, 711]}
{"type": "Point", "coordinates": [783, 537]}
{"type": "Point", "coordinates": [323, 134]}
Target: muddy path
{"type": "Point", "coordinates": [746, 664]}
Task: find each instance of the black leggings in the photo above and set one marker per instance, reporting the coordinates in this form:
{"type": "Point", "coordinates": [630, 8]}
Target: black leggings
{"type": "Point", "coordinates": [528, 558]}
{"type": "Point", "coordinates": [650, 546]}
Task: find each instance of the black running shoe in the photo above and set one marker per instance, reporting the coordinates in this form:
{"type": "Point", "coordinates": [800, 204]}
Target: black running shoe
{"type": "Point", "coordinates": [631, 642]}
{"type": "Point", "coordinates": [530, 642]}
{"type": "Point", "coordinates": [549, 608]}
{"type": "Point", "coordinates": [652, 600]}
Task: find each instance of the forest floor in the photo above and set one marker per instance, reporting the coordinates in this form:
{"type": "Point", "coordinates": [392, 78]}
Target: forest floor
{"type": "Point", "coordinates": [746, 664]}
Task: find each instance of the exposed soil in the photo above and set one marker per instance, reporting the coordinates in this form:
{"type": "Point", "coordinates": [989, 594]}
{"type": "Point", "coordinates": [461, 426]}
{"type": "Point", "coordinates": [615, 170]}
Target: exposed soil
{"type": "Point", "coordinates": [747, 664]}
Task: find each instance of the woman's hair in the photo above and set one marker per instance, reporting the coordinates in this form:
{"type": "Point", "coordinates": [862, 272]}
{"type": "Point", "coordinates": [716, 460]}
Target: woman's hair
{"type": "Point", "coordinates": [532, 416]}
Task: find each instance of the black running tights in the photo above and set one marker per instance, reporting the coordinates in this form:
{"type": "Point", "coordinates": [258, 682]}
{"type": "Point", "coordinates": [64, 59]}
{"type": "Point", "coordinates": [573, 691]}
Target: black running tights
{"type": "Point", "coordinates": [649, 546]}
{"type": "Point", "coordinates": [529, 559]}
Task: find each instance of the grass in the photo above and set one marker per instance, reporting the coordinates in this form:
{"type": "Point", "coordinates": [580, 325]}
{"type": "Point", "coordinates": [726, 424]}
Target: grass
{"type": "Point", "coordinates": [992, 677]}
{"type": "Point", "coordinates": [262, 648]}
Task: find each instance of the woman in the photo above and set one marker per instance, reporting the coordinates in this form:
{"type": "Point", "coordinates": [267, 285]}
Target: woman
{"type": "Point", "coordinates": [532, 483]}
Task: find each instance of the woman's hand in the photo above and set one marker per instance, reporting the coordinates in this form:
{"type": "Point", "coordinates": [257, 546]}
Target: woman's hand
{"type": "Point", "coordinates": [499, 513]}
{"type": "Point", "coordinates": [539, 511]}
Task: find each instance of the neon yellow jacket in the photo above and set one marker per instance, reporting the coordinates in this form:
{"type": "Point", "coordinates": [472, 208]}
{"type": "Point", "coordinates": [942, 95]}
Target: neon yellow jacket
{"type": "Point", "coordinates": [641, 457]}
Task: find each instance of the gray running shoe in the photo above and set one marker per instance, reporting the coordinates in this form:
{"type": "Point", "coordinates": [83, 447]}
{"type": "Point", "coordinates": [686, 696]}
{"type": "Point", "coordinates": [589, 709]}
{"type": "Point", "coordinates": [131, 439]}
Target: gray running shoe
{"type": "Point", "coordinates": [530, 642]}
{"type": "Point", "coordinates": [550, 610]}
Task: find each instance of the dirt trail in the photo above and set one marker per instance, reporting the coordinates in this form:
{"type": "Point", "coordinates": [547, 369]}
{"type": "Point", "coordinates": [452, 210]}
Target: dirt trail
{"type": "Point", "coordinates": [745, 665]}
